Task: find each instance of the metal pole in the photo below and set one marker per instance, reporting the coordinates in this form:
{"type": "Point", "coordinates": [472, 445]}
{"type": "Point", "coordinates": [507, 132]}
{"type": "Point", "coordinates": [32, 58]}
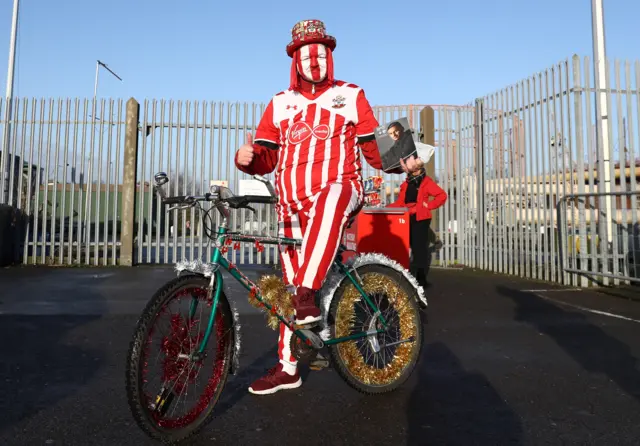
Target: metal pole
{"type": "Point", "coordinates": [86, 194]}
{"type": "Point", "coordinates": [602, 127]}
{"type": "Point", "coordinates": [12, 49]}
{"type": "Point", "coordinates": [95, 86]}
{"type": "Point", "coordinates": [4, 157]}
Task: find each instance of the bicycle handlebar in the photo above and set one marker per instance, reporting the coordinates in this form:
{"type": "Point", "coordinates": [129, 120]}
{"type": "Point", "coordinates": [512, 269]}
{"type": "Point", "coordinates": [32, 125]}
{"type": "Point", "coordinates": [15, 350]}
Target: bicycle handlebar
{"type": "Point", "coordinates": [234, 201]}
{"type": "Point", "coordinates": [242, 200]}
{"type": "Point", "coordinates": [178, 199]}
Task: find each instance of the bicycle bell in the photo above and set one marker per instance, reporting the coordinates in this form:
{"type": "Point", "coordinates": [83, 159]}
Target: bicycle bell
{"type": "Point", "coordinates": [161, 178]}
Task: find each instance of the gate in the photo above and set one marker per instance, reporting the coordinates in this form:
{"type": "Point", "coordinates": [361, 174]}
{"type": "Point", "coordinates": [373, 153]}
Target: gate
{"type": "Point", "coordinates": [506, 159]}
{"type": "Point", "coordinates": [547, 178]}
{"type": "Point", "coordinates": [454, 169]}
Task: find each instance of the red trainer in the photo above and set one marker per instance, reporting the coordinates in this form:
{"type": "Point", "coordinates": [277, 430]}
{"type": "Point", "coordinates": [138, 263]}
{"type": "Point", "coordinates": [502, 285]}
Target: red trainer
{"type": "Point", "coordinates": [275, 380]}
{"type": "Point", "coordinates": [307, 311]}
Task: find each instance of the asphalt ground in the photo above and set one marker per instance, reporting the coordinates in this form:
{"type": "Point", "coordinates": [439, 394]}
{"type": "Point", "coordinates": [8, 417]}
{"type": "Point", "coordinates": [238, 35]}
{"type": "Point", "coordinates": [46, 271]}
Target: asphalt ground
{"type": "Point", "coordinates": [506, 361]}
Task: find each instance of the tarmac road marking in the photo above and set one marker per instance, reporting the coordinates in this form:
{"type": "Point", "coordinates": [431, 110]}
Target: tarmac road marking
{"type": "Point", "coordinates": [588, 310]}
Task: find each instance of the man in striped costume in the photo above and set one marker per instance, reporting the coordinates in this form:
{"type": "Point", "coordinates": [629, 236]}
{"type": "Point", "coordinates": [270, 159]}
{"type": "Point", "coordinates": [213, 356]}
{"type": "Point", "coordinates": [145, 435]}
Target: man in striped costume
{"type": "Point", "coordinates": [311, 135]}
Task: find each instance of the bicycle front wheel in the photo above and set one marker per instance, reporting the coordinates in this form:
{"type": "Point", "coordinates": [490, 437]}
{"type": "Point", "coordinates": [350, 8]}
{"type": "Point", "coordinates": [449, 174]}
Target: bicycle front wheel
{"type": "Point", "coordinates": [171, 394]}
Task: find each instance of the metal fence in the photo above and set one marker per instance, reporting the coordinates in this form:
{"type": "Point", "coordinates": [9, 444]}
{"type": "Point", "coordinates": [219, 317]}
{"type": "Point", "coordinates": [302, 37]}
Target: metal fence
{"type": "Point", "coordinates": [195, 143]}
{"type": "Point", "coordinates": [510, 157]}
{"type": "Point", "coordinates": [63, 172]}
{"type": "Point", "coordinates": [584, 256]}
{"type": "Point", "coordinates": [506, 160]}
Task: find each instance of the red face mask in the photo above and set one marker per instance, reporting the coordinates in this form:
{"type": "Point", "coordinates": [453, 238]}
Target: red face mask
{"type": "Point", "coordinates": [312, 62]}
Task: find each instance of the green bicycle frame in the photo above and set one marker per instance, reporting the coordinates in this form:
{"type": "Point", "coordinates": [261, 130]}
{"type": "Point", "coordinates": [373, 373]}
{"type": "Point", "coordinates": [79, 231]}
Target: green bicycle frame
{"type": "Point", "coordinates": [219, 260]}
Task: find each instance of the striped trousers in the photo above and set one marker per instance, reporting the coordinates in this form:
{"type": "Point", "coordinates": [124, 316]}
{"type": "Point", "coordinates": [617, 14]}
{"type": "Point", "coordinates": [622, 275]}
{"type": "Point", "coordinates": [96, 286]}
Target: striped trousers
{"type": "Point", "coordinates": [320, 224]}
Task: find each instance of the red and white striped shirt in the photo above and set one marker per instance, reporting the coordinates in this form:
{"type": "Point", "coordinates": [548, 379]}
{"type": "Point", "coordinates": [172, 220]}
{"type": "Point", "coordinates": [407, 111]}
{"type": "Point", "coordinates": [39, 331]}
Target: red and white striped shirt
{"type": "Point", "coordinates": [316, 141]}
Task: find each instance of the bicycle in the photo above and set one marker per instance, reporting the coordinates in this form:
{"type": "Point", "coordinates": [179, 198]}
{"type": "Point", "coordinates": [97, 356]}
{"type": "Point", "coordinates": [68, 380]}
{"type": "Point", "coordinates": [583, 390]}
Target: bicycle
{"type": "Point", "coordinates": [371, 323]}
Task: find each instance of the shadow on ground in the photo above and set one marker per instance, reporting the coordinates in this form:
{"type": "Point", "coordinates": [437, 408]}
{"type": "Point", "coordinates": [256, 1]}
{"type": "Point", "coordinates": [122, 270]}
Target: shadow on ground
{"type": "Point", "coordinates": [45, 359]}
{"type": "Point", "coordinates": [453, 406]}
{"type": "Point", "coordinates": [40, 366]}
{"type": "Point", "coordinates": [589, 345]}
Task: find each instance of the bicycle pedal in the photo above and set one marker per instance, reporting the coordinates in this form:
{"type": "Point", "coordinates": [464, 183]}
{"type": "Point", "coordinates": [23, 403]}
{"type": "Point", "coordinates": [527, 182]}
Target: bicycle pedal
{"type": "Point", "coordinates": [319, 363]}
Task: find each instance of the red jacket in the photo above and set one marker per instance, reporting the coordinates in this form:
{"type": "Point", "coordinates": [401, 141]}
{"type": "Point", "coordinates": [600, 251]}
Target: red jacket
{"type": "Point", "coordinates": [422, 207]}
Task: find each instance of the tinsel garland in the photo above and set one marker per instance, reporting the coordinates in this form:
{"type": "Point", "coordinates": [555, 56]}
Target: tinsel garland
{"type": "Point", "coordinates": [196, 266]}
{"type": "Point", "coordinates": [336, 277]}
{"type": "Point", "coordinates": [237, 344]}
{"type": "Point", "coordinates": [345, 316]}
{"type": "Point", "coordinates": [274, 292]}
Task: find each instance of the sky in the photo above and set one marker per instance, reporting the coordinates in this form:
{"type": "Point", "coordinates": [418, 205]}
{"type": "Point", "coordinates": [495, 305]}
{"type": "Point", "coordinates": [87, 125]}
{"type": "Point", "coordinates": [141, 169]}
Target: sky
{"type": "Point", "coordinates": [413, 52]}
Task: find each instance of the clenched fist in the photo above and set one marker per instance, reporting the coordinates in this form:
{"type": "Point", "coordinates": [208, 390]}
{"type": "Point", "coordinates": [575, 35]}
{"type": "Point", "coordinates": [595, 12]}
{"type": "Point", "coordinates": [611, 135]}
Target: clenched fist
{"type": "Point", "coordinates": [245, 152]}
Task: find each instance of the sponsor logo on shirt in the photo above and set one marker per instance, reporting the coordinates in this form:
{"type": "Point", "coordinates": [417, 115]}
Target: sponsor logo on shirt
{"type": "Point", "coordinates": [301, 131]}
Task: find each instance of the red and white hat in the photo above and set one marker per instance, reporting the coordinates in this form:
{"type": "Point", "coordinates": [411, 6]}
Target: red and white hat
{"type": "Point", "coordinates": [309, 31]}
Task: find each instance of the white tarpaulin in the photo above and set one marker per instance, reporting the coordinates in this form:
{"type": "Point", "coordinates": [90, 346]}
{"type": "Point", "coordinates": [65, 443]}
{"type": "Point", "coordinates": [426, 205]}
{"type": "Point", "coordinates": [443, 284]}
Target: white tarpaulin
{"type": "Point", "coordinates": [425, 151]}
{"type": "Point", "coordinates": [253, 187]}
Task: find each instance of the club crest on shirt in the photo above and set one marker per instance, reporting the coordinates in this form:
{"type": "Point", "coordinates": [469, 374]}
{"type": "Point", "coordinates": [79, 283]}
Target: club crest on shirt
{"type": "Point", "coordinates": [338, 101]}
{"type": "Point", "coordinates": [301, 131]}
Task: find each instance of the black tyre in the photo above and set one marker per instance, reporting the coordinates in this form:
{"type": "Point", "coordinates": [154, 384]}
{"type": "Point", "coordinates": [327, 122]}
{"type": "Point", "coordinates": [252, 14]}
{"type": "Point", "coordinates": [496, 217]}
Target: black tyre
{"type": "Point", "coordinates": [399, 347]}
{"type": "Point", "coordinates": [178, 375]}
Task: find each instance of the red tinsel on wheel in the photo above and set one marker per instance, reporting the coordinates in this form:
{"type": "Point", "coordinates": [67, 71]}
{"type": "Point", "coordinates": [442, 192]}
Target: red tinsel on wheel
{"type": "Point", "coordinates": [212, 383]}
{"type": "Point", "coordinates": [179, 340]}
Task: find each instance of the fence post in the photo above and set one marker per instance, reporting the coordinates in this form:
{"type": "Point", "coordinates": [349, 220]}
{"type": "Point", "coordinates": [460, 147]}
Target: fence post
{"type": "Point", "coordinates": [427, 125]}
{"type": "Point", "coordinates": [481, 206]}
{"type": "Point", "coordinates": [129, 181]}
{"type": "Point", "coordinates": [579, 174]}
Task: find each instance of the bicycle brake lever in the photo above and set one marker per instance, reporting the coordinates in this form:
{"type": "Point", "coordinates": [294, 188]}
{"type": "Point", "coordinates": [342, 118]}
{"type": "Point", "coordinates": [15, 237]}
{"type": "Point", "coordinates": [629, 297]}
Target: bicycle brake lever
{"type": "Point", "coordinates": [251, 209]}
{"type": "Point", "coordinates": [178, 207]}
{"type": "Point", "coordinates": [236, 202]}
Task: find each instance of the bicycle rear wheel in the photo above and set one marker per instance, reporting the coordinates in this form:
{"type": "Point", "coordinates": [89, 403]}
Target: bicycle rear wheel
{"type": "Point", "coordinates": [383, 362]}
{"type": "Point", "coordinates": [160, 406]}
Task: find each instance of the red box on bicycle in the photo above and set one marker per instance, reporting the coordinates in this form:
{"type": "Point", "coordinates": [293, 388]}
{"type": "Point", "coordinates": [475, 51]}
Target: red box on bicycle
{"type": "Point", "coordinates": [380, 230]}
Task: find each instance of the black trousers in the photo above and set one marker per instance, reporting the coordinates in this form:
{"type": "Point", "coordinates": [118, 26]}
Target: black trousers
{"type": "Point", "coordinates": [420, 252]}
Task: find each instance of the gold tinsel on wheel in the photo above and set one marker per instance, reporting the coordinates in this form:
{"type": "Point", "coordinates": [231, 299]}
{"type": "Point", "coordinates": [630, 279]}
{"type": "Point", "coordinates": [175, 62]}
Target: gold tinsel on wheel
{"type": "Point", "coordinates": [274, 292]}
{"type": "Point", "coordinates": [345, 317]}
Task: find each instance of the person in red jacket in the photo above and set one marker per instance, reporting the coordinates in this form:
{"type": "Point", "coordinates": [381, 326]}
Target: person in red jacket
{"type": "Point", "coordinates": [312, 136]}
{"type": "Point", "coordinates": [421, 195]}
